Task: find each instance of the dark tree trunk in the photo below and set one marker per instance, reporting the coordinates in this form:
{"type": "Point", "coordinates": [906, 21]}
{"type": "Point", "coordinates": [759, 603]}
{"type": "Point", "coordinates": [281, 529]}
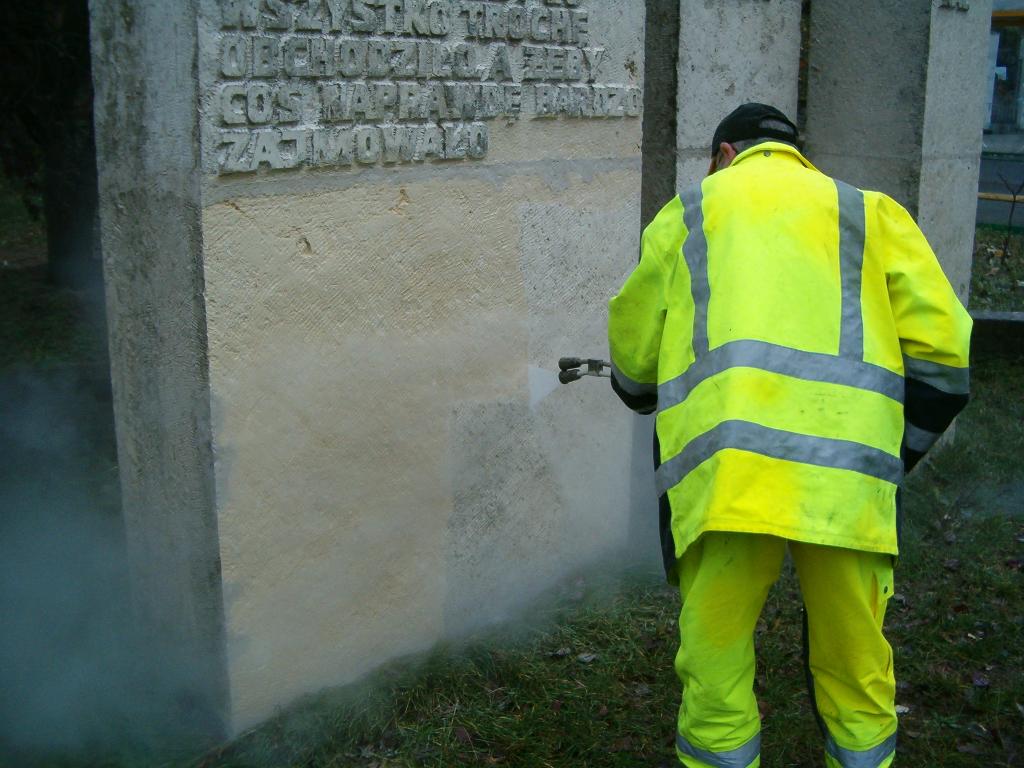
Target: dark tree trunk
{"type": "Point", "coordinates": [70, 205]}
{"type": "Point", "coordinates": [46, 135]}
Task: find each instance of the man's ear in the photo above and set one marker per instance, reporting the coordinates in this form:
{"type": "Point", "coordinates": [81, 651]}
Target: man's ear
{"type": "Point", "coordinates": [723, 158]}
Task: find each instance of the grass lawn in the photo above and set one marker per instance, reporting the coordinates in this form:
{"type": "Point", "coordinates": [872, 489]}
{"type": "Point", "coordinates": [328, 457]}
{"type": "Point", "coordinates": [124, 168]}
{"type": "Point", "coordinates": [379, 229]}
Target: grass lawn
{"type": "Point", "coordinates": [42, 326]}
{"type": "Point", "coordinates": [22, 237]}
{"type": "Point", "coordinates": [997, 281]}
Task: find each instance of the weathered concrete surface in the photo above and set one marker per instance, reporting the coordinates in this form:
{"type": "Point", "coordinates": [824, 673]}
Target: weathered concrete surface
{"type": "Point", "coordinates": [895, 103]}
{"type": "Point", "coordinates": [730, 53]}
{"type": "Point", "coordinates": [373, 334]}
{"type": "Point", "coordinates": [145, 84]}
{"type": "Point", "coordinates": [951, 146]}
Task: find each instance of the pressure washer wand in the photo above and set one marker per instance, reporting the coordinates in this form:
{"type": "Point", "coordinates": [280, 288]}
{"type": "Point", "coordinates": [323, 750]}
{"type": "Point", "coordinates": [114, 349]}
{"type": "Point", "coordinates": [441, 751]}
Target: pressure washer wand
{"type": "Point", "coordinates": [575, 368]}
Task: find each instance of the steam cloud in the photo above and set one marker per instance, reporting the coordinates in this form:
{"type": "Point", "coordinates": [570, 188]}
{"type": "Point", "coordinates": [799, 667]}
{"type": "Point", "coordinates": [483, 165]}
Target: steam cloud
{"type": "Point", "coordinates": [73, 675]}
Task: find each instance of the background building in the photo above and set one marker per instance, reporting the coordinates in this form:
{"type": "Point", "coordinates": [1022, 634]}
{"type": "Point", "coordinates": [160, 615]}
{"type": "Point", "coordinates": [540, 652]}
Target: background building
{"type": "Point", "coordinates": [1002, 164]}
{"type": "Point", "coordinates": [1004, 122]}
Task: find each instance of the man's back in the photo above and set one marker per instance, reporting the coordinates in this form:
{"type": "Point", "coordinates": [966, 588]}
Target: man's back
{"type": "Point", "coordinates": [780, 351]}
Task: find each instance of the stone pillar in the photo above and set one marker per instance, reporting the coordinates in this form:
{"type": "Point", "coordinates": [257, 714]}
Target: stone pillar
{"type": "Point", "coordinates": [732, 52]}
{"type": "Point", "coordinates": [896, 102]}
{"type": "Point", "coordinates": [146, 91]}
{"type": "Point", "coordinates": [346, 244]}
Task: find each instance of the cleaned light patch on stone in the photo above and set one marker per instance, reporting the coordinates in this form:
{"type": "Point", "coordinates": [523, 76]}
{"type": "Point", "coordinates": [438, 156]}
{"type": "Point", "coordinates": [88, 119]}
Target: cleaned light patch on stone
{"type": "Point", "coordinates": [349, 83]}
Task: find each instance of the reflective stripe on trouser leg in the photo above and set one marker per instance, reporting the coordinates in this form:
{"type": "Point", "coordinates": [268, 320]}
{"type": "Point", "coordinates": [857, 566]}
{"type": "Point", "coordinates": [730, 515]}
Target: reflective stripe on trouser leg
{"type": "Point", "coordinates": [845, 592]}
{"type": "Point", "coordinates": [723, 581]}
{"type": "Point", "coordinates": [876, 757]}
{"type": "Point", "coordinates": [743, 757]}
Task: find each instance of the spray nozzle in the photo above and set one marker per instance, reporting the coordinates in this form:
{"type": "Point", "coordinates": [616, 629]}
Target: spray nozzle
{"type": "Point", "coordinates": [575, 368]}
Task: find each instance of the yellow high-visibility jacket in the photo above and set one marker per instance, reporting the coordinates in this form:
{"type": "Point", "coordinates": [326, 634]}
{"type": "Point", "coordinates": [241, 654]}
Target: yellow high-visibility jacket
{"type": "Point", "coordinates": [779, 321]}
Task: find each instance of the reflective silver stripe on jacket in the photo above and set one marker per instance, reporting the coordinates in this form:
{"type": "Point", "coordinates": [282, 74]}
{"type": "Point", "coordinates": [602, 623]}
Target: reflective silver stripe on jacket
{"type": "Point", "coordinates": [917, 439]}
{"type": "Point", "coordinates": [779, 444]}
{"type": "Point", "coordinates": [869, 758]}
{"type": "Point", "coordinates": [695, 252]}
{"type": "Point", "coordinates": [851, 266]}
{"type": "Point", "coordinates": [946, 378]}
{"type": "Point", "coordinates": [632, 386]}
{"type": "Point", "coordinates": [736, 758]}
{"type": "Point", "coordinates": [810, 366]}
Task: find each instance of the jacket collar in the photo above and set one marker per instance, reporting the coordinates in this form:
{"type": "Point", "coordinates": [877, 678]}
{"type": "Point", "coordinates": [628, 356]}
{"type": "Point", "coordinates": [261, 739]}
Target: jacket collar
{"type": "Point", "coordinates": [772, 148]}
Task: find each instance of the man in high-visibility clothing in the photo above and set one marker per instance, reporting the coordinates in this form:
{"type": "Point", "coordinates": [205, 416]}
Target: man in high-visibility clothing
{"type": "Point", "coordinates": [802, 348]}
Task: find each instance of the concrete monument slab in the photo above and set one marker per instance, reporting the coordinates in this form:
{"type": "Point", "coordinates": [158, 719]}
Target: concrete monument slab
{"type": "Point", "coordinates": [340, 235]}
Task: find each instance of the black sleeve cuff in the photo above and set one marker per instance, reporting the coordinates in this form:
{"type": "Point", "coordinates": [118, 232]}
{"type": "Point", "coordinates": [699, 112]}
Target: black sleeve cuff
{"type": "Point", "coordinates": [644, 404]}
{"type": "Point", "coordinates": [929, 408]}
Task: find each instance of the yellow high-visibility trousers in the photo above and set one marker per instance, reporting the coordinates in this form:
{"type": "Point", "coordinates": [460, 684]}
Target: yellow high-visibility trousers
{"type": "Point", "coordinates": [724, 579]}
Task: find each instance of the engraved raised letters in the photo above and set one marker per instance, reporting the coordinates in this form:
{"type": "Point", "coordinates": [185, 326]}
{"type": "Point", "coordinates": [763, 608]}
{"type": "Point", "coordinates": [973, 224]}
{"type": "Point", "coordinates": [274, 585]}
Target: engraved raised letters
{"type": "Point", "coordinates": [357, 83]}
